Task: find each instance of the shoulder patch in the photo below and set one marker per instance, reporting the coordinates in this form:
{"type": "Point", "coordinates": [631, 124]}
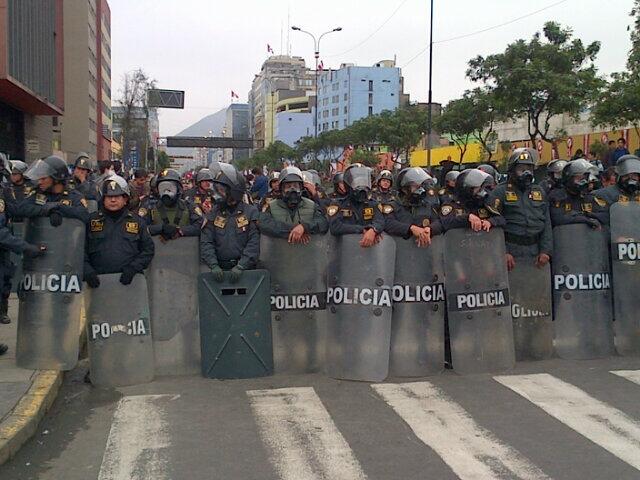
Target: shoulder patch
{"type": "Point", "coordinates": [510, 196]}
{"type": "Point", "coordinates": [623, 199]}
{"type": "Point", "coordinates": [198, 211]}
{"type": "Point", "coordinates": [2, 206]}
{"type": "Point", "coordinates": [600, 201]}
{"type": "Point", "coordinates": [331, 210]}
{"type": "Point", "coordinates": [367, 213]}
{"type": "Point", "coordinates": [446, 209]}
{"type": "Point", "coordinates": [41, 198]}
{"type": "Point", "coordinates": [536, 195]}
{"type": "Point", "coordinates": [142, 212]}
{"type": "Point", "coordinates": [387, 209]}
{"type": "Point", "coordinates": [132, 227]}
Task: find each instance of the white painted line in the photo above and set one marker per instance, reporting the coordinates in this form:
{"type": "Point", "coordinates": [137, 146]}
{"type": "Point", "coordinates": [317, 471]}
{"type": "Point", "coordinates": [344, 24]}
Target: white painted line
{"type": "Point", "coordinates": [138, 439]}
{"type": "Point", "coordinates": [472, 452]}
{"type": "Point", "coordinates": [303, 441]}
{"type": "Point", "coordinates": [604, 425]}
{"type": "Point", "coordinates": [631, 375]}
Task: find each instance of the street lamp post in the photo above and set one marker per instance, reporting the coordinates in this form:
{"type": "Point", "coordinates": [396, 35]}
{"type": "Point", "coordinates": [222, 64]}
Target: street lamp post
{"type": "Point", "coordinates": [316, 52]}
{"type": "Point", "coordinates": [429, 106]}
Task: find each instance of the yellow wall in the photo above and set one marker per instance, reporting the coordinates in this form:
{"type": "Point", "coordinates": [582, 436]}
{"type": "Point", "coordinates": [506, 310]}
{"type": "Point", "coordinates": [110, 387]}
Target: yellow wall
{"type": "Point", "coordinates": [419, 157]}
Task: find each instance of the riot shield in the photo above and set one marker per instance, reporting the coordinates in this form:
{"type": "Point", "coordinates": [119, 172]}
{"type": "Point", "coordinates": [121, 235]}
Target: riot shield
{"type": "Point", "coordinates": [298, 302]}
{"type": "Point", "coordinates": [478, 303]}
{"type": "Point", "coordinates": [531, 309]}
{"type": "Point", "coordinates": [119, 332]}
{"type": "Point", "coordinates": [50, 294]}
{"type": "Point", "coordinates": [172, 280]}
{"type": "Point", "coordinates": [359, 300]}
{"type": "Point", "coordinates": [16, 258]}
{"type": "Point", "coordinates": [235, 326]}
{"type": "Point", "coordinates": [625, 269]}
{"type": "Point", "coordinates": [582, 310]}
{"type": "Point", "coordinates": [417, 325]}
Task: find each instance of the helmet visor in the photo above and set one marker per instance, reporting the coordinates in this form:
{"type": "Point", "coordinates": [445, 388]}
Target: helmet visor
{"type": "Point", "coordinates": [39, 169]}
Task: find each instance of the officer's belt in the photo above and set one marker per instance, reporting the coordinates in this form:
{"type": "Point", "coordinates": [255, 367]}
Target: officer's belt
{"type": "Point", "coordinates": [524, 240]}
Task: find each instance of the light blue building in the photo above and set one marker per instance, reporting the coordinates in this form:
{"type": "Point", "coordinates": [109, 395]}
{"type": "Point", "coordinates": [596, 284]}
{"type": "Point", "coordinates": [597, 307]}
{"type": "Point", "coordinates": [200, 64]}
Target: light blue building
{"type": "Point", "coordinates": [351, 93]}
{"type": "Point", "coordinates": [292, 126]}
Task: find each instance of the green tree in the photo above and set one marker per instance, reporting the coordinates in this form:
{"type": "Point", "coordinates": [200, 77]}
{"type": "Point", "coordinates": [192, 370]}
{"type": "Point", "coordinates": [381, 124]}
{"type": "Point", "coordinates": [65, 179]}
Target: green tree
{"type": "Point", "coordinates": [366, 157]}
{"type": "Point", "coordinates": [401, 131]}
{"type": "Point", "coordinates": [458, 121]}
{"type": "Point", "coordinates": [540, 78]}
{"type": "Point", "coordinates": [163, 160]}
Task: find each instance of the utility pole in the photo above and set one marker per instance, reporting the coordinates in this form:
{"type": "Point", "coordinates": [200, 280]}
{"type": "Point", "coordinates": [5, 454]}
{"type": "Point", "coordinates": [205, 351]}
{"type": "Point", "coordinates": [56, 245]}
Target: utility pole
{"type": "Point", "coordinates": [316, 53]}
{"type": "Point", "coordinates": [430, 92]}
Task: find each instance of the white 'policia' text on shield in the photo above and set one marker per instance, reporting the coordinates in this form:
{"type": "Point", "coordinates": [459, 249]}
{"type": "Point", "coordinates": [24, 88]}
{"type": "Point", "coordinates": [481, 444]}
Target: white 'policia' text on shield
{"type": "Point", "coordinates": [604, 425]}
{"type": "Point", "coordinates": [303, 441]}
{"type": "Point", "coordinates": [472, 452]}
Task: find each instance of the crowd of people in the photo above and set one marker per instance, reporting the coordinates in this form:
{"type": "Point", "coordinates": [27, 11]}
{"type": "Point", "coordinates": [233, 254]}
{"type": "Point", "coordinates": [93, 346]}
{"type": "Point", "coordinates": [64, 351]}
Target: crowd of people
{"type": "Point", "coordinates": [229, 211]}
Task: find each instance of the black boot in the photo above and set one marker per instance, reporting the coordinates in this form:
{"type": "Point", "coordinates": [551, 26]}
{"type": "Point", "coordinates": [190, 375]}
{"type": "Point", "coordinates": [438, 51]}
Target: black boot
{"type": "Point", "coordinates": [3, 348]}
{"type": "Point", "coordinates": [4, 311]}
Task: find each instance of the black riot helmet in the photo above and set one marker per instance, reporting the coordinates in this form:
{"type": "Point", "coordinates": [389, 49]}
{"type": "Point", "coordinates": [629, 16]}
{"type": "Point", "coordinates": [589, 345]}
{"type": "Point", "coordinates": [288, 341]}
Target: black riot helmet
{"type": "Point", "coordinates": [204, 174]}
{"type": "Point", "coordinates": [451, 177]}
{"type": "Point", "coordinates": [554, 171]}
{"type": "Point", "coordinates": [169, 175]}
{"type": "Point", "coordinates": [233, 183]}
{"type": "Point", "coordinates": [413, 183]}
{"type": "Point", "coordinates": [488, 169]}
{"type": "Point", "coordinates": [576, 176]}
{"type": "Point", "coordinates": [357, 180]}
{"type": "Point", "coordinates": [312, 176]}
{"type": "Point", "coordinates": [115, 186]}
{"type": "Point", "coordinates": [337, 178]}
{"type": "Point", "coordinates": [470, 186]}
{"type": "Point", "coordinates": [628, 171]}
{"type": "Point", "coordinates": [18, 167]}
{"type": "Point", "coordinates": [214, 168]}
{"type": "Point", "coordinates": [291, 174]}
{"type": "Point", "coordinates": [83, 161]}
{"type": "Point", "coordinates": [273, 178]}
{"type": "Point", "coordinates": [169, 186]}
{"type": "Point", "coordinates": [522, 176]}
{"type": "Point", "coordinates": [291, 195]}
{"type": "Point", "coordinates": [52, 166]}
{"type": "Point", "coordinates": [384, 175]}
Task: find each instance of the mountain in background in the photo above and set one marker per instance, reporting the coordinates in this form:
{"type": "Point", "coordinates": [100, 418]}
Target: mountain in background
{"type": "Point", "coordinates": [214, 122]}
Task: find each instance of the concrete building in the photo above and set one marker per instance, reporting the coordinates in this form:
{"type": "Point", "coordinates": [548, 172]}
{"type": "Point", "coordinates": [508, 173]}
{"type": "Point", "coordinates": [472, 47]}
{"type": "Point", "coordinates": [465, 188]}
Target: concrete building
{"type": "Point", "coordinates": [31, 77]}
{"type": "Point", "coordinates": [278, 73]}
{"type": "Point", "coordinates": [294, 119]}
{"type": "Point", "coordinates": [351, 93]}
{"type": "Point", "coordinates": [236, 126]}
{"type": "Point", "coordinates": [87, 123]}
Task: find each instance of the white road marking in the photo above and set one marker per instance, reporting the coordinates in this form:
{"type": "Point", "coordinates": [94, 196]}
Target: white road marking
{"type": "Point", "coordinates": [303, 441]}
{"type": "Point", "coordinates": [631, 375]}
{"type": "Point", "coordinates": [472, 452]}
{"type": "Point", "coordinates": [604, 425]}
{"type": "Point", "coordinates": [137, 440]}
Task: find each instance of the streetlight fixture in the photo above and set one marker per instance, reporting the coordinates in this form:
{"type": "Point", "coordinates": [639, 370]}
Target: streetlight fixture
{"type": "Point", "coordinates": [429, 106]}
{"type": "Point", "coordinates": [316, 52]}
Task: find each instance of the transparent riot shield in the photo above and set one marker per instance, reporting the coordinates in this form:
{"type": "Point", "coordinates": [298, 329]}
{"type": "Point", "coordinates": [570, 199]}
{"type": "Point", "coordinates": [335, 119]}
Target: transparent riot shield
{"type": "Point", "coordinates": [119, 332]}
{"type": "Point", "coordinates": [16, 258]}
{"type": "Point", "coordinates": [50, 294]}
{"type": "Point", "coordinates": [478, 303]}
{"type": "Point", "coordinates": [417, 325]}
{"type": "Point", "coordinates": [359, 300]}
{"type": "Point", "coordinates": [235, 326]}
{"type": "Point", "coordinates": [172, 280]}
{"type": "Point", "coordinates": [625, 269]}
{"type": "Point", "coordinates": [582, 310]}
{"type": "Point", "coordinates": [298, 302]}
{"type": "Point", "coordinates": [531, 309]}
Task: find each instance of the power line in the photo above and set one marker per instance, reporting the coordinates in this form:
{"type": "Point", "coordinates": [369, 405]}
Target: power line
{"type": "Point", "coordinates": [371, 35]}
{"type": "Point", "coordinates": [466, 35]}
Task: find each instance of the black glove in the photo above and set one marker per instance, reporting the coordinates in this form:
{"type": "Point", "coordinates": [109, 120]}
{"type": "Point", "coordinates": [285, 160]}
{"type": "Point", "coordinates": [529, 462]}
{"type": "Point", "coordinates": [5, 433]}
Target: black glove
{"type": "Point", "coordinates": [234, 274]}
{"type": "Point", "coordinates": [127, 275]}
{"type": "Point", "coordinates": [92, 280]}
{"type": "Point", "coordinates": [55, 218]}
{"type": "Point", "coordinates": [32, 251]}
{"type": "Point", "coordinates": [593, 223]}
{"type": "Point", "coordinates": [169, 230]}
{"type": "Point", "coordinates": [49, 207]}
{"type": "Point", "coordinates": [218, 274]}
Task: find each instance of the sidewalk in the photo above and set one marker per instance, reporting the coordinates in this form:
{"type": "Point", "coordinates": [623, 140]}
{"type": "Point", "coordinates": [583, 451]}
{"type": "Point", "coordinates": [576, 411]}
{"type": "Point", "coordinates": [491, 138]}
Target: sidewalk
{"type": "Point", "coordinates": [25, 395]}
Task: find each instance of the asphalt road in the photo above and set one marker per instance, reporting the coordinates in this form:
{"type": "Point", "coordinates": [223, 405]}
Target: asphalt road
{"type": "Point", "coordinates": [552, 419]}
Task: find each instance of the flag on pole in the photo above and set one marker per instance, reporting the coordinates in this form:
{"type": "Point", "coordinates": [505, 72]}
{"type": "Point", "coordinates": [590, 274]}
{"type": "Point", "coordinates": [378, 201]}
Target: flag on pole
{"type": "Point", "coordinates": [269, 49]}
{"type": "Point", "coordinates": [234, 94]}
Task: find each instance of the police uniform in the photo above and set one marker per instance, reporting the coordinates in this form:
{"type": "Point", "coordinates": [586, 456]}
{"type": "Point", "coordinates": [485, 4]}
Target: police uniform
{"type": "Point", "coordinates": [70, 204]}
{"type": "Point", "coordinates": [116, 241]}
{"type": "Point", "coordinates": [276, 219]}
{"type": "Point", "coordinates": [13, 195]}
{"type": "Point", "coordinates": [605, 197]}
{"type": "Point", "coordinates": [455, 214]}
{"type": "Point", "coordinates": [270, 196]}
{"type": "Point", "coordinates": [182, 215]}
{"type": "Point", "coordinates": [196, 197]}
{"type": "Point", "coordinates": [528, 224]}
{"type": "Point", "coordinates": [347, 216]}
{"type": "Point", "coordinates": [231, 238]}
{"type": "Point", "coordinates": [400, 218]}
{"type": "Point", "coordinates": [88, 188]}
{"type": "Point", "coordinates": [445, 195]}
{"type": "Point", "coordinates": [566, 209]}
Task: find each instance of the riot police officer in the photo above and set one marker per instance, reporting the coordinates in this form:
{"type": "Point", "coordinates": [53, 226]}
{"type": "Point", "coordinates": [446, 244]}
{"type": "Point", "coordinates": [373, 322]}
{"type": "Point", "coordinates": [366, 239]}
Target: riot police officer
{"type": "Point", "coordinates": [81, 179]}
{"type": "Point", "coordinates": [172, 217]}
{"type": "Point", "coordinates": [274, 190]}
{"type": "Point", "coordinates": [446, 194]}
{"type": "Point", "coordinates": [492, 182]}
{"type": "Point", "coordinates": [117, 241]}
{"type": "Point", "coordinates": [554, 175]}
{"type": "Point", "coordinates": [574, 203]}
{"type": "Point", "coordinates": [525, 208]}
{"type": "Point", "coordinates": [200, 194]}
{"type": "Point", "coordinates": [469, 207]}
{"type": "Point", "coordinates": [627, 186]}
{"type": "Point", "coordinates": [17, 189]}
{"type": "Point", "coordinates": [413, 214]}
{"type": "Point", "coordinates": [230, 239]}
{"type": "Point", "coordinates": [52, 198]}
{"type": "Point", "coordinates": [313, 188]}
{"type": "Point", "coordinates": [292, 216]}
{"type": "Point", "coordinates": [357, 212]}
{"type": "Point", "coordinates": [339, 190]}
{"type": "Point", "coordinates": [382, 192]}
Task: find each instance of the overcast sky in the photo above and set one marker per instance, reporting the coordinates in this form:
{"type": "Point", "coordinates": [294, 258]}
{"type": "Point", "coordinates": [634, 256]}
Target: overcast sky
{"type": "Point", "coordinates": [210, 47]}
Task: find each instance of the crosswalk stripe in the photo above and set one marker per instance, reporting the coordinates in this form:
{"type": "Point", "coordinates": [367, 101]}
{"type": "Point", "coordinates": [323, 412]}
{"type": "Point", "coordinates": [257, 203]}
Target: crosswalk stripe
{"type": "Point", "coordinates": [304, 442]}
{"type": "Point", "coordinates": [604, 425]}
{"type": "Point", "coordinates": [631, 375]}
{"type": "Point", "coordinates": [471, 451]}
{"type": "Point", "coordinates": [137, 439]}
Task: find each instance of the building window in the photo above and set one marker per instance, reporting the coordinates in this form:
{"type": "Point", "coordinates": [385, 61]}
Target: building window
{"type": "Point", "coordinates": [370, 98]}
{"type": "Point", "coordinates": [371, 85]}
{"type": "Point", "coordinates": [370, 110]}
{"type": "Point", "coordinates": [346, 84]}
{"type": "Point", "coordinates": [345, 109]}
{"type": "Point", "coordinates": [335, 99]}
{"type": "Point", "coordinates": [335, 86]}
{"type": "Point", "coordinates": [346, 97]}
